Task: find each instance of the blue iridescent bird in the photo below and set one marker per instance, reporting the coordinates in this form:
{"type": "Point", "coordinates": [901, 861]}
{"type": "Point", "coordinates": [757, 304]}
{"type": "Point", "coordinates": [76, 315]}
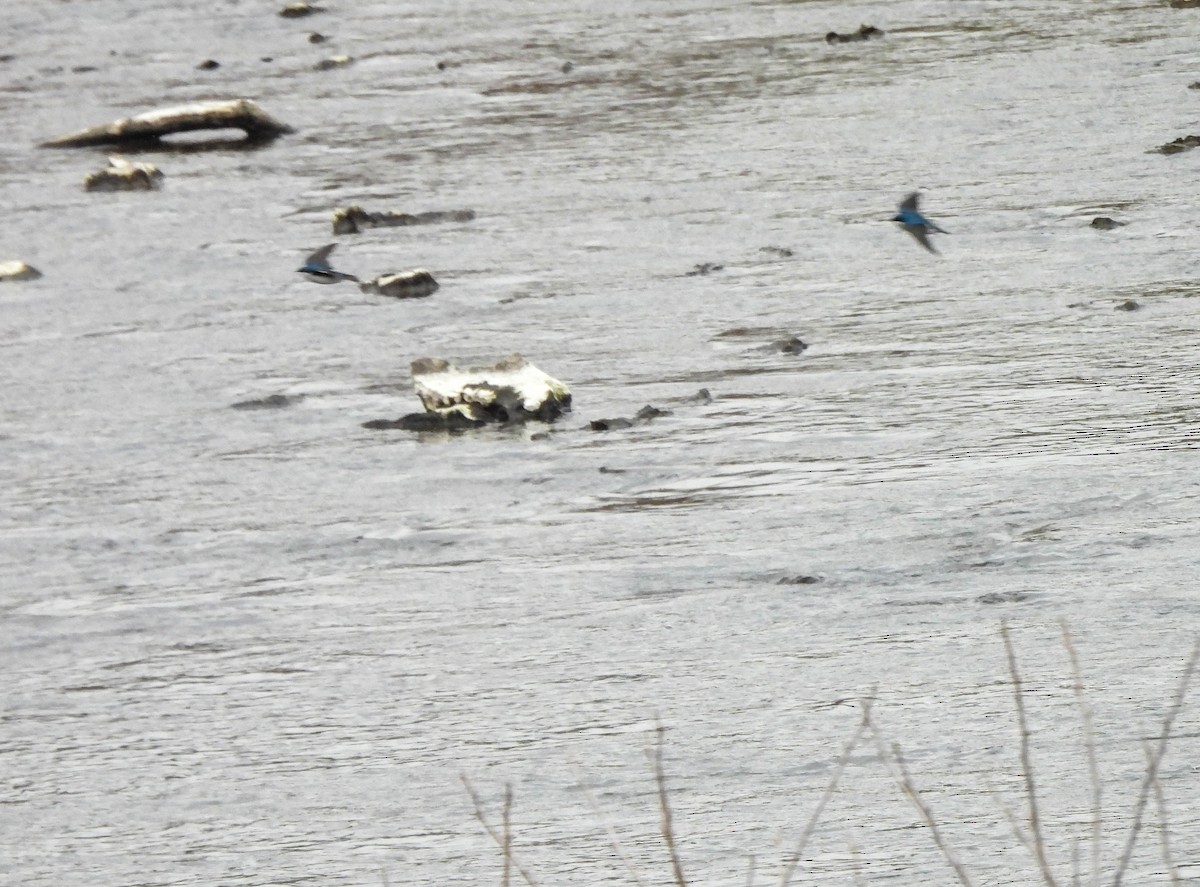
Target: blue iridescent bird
{"type": "Point", "coordinates": [914, 223]}
{"type": "Point", "coordinates": [317, 268]}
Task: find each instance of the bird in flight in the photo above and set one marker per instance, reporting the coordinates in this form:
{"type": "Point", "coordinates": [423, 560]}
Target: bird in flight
{"type": "Point", "coordinates": [317, 268]}
{"type": "Point", "coordinates": [914, 223]}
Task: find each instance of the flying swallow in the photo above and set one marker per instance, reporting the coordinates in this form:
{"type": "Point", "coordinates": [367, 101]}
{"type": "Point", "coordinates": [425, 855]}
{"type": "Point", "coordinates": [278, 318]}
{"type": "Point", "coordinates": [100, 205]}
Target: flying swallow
{"type": "Point", "coordinates": [317, 269]}
{"type": "Point", "coordinates": [914, 223]}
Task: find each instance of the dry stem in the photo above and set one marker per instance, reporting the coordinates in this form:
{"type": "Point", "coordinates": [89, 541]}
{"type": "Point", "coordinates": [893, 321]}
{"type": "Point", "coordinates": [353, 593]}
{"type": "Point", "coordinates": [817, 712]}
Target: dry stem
{"type": "Point", "coordinates": [1089, 738]}
{"type": "Point", "coordinates": [501, 840]}
{"type": "Point", "coordinates": [1035, 822]}
{"type": "Point", "coordinates": [1156, 756]}
{"type": "Point", "coordinates": [793, 861]}
{"type": "Point", "coordinates": [665, 808]}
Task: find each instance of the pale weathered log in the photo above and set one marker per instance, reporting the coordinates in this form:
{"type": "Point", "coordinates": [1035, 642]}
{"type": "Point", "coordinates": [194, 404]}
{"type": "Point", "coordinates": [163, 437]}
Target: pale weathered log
{"type": "Point", "coordinates": [240, 114]}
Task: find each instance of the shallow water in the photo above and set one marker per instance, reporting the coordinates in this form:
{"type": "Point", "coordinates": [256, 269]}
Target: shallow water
{"type": "Point", "coordinates": [260, 646]}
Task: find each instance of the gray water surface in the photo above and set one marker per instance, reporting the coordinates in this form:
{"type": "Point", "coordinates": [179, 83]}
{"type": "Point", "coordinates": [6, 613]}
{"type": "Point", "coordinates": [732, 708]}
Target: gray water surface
{"type": "Point", "coordinates": [254, 647]}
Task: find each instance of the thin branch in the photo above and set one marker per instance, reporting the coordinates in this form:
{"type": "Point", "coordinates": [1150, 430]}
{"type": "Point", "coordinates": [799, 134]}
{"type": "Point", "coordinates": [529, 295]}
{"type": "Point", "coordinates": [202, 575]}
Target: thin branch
{"type": "Point", "coordinates": [789, 868]}
{"type": "Point", "coordinates": [612, 834]}
{"type": "Point", "coordinates": [910, 790]}
{"type": "Point", "coordinates": [668, 833]}
{"type": "Point", "coordinates": [1163, 828]}
{"type": "Point", "coordinates": [1159, 751]}
{"type": "Point", "coordinates": [1009, 816]}
{"type": "Point", "coordinates": [1035, 822]}
{"type": "Point", "coordinates": [507, 849]}
{"type": "Point", "coordinates": [856, 866]}
{"type": "Point", "coordinates": [499, 839]}
{"type": "Point", "coordinates": [750, 872]}
{"type": "Point", "coordinates": [1089, 739]}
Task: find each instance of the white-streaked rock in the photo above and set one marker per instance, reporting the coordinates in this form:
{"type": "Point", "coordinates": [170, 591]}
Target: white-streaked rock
{"type": "Point", "coordinates": [16, 270]}
{"type": "Point", "coordinates": [514, 390]}
{"type": "Point", "coordinates": [123, 175]}
{"type": "Point", "coordinates": [414, 284]}
{"type": "Point", "coordinates": [240, 114]}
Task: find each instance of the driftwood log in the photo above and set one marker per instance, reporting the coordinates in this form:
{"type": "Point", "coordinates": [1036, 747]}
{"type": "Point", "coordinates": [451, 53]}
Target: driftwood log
{"type": "Point", "coordinates": [242, 114]}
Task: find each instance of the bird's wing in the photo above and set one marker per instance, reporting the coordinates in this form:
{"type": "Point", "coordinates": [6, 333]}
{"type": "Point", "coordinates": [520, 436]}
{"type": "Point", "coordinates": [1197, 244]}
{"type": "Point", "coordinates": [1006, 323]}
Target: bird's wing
{"type": "Point", "coordinates": [321, 256]}
{"type": "Point", "coordinates": [936, 228]}
{"type": "Point", "coordinates": [919, 232]}
{"type": "Point", "coordinates": [910, 202]}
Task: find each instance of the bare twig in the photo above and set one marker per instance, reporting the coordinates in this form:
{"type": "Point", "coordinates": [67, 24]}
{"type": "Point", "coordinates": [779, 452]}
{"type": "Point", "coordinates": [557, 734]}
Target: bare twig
{"type": "Point", "coordinates": [1164, 831]}
{"type": "Point", "coordinates": [1009, 816]}
{"type": "Point", "coordinates": [1035, 822]}
{"type": "Point", "coordinates": [505, 848]}
{"type": "Point", "coordinates": [793, 860]}
{"type": "Point", "coordinates": [665, 808]}
{"type": "Point", "coordinates": [612, 834]}
{"type": "Point", "coordinates": [910, 790]}
{"type": "Point", "coordinates": [1156, 757]}
{"type": "Point", "coordinates": [1089, 740]}
{"type": "Point", "coordinates": [856, 866]}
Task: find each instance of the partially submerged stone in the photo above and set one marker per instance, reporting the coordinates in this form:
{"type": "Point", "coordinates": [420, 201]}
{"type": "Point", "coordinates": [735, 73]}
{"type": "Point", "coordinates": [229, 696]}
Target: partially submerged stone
{"type": "Point", "coordinates": [513, 390]}
{"type": "Point", "coordinates": [353, 219]}
{"type": "Point", "coordinates": [15, 270]}
{"type": "Point", "coordinates": [414, 284]}
{"type": "Point", "coordinates": [1104, 223]}
{"type": "Point", "coordinates": [864, 32]}
{"type": "Point", "coordinates": [122, 175]}
{"type": "Point", "coordinates": [243, 114]}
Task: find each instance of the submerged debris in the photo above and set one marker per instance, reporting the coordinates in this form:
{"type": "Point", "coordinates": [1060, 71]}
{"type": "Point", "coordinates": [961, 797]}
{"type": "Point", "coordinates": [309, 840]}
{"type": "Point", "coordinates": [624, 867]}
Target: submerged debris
{"type": "Point", "coordinates": [789, 345]}
{"type": "Point", "coordinates": [270, 402]}
{"type": "Point", "coordinates": [645, 414]}
{"type": "Point", "coordinates": [414, 284]}
{"type": "Point", "coordinates": [513, 390]}
{"type": "Point", "coordinates": [864, 32]}
{"type": "Point", "coordinates": [704, 269]}
{"type": "Point", "coordinates": [242, 114]}
{"type": "Point", "coordinates": [299, 10]}
{"type": "Point", "coordinates": [1179, 145]}
{"type": "Point", "coordinates": [337, 61]}
{"type": "Point", "coordinates": [15, 270]}
{"type": "Point", "coordinates": [1128, 305]}
{"type": "Point", "coordinates": [353, 219]}
{"type": "Point", "coordinates": [1104, 223]}
{"type": "Point", "coordinates": [122, 175]}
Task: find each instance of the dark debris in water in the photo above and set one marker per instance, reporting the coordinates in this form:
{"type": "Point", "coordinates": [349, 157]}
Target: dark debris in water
{"type": "Point", "coordinates": [425, 422]}
{"type": "Point", "coordinates": [789, 345]}
{"type": "Point", "coordinates": [645, 414]}
{"type": "Point", "coordinates": [1179, 145]}
{"type": "Point", "coordinates": [271, 402]}
{"type": "Point", "coordinates": [1104, 223]}
{"type": "Point", "coordinates": [1003, 597]}
{"type": "Point", "coordinates": [1128, 305]}
{"type": "Point", "coordinates": [299, 10]}
{"type": "Point", "coordinates": [799, 579]}
{"type": "Point", "coordinates": [704, 269]}
{"type": "Point", "coordinates": [864, 32]}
